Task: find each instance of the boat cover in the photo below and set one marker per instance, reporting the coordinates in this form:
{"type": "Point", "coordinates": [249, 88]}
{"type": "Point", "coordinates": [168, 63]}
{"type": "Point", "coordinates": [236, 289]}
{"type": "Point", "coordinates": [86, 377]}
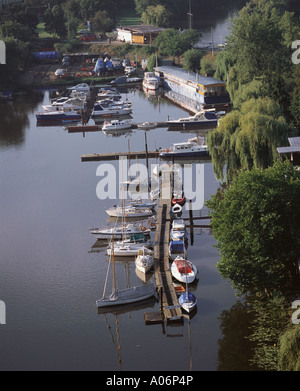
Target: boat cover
{"type": "Point", "coordinates": [177, 245]}
{"type": "Point", "coordinates": [183, 266]}
{"type": "Point", "coordinates": [187, 297]}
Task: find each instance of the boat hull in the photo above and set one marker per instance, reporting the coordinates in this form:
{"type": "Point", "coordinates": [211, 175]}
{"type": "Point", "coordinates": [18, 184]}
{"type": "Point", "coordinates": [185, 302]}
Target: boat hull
{"type": "Point", "coordinates": [188, 303]}
{"type": "Point", "coordinates": [127, 296]}
{"type": "Point", "coordinates": [192, 155]}
{"type": "Point", "coordinates": [57, 117]}
{"type": "Point", "coordinates": [144, 264]}
{"type": "Point", "coordinates": [193, 125]}
{"type": "Point", "coordinates": [127, 251]}
{"type": "Point", "coordinates": [182, 277]}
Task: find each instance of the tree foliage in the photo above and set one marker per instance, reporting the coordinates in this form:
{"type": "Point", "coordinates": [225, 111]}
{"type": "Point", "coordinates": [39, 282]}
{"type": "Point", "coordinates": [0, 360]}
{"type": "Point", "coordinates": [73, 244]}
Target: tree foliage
{"type": "Point", "coordinates": [259, 48]}
{"type": "Point", "coordinates": [208, 64]}
{"type": "Point", "coordinates": [248, 138]}
{"type": "Point", "coordinates": [256, 226]}
{"type": "Point", "coordinates": [289, 358]}
{"type": "Point", "coordinates": [55, 21]}
{"type": "Point", "coordinates": [156, 15]}
{"type": "Point", "coordinates": [171, 42]}
{"type": "Point", "coordinates": [191, 59]}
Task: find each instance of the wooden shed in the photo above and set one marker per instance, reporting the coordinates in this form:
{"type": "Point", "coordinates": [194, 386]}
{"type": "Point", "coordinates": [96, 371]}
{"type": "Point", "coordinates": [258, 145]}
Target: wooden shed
{"type": "Point", "coordinates": [140, 34]}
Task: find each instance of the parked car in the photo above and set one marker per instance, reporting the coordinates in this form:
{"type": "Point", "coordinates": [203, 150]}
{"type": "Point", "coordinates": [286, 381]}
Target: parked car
{"type": "Point", "coordinates": [88, 37]}
{"type": "Point", "coordinates": [130, 70]}
{"type": "Point", "coordinates": [126, 63]}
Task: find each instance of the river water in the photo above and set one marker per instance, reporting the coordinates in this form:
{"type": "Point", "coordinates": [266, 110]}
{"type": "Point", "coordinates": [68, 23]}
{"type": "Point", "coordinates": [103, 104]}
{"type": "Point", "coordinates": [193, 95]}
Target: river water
{"type": "Point", "coordinates": [52, 273]}
{"type": "Point", "coordinates": [51, 276]}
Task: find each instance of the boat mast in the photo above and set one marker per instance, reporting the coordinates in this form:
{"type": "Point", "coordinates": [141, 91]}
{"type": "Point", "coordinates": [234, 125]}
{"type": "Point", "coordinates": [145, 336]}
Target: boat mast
{"type": "Point", "coordinates": [113, 262]}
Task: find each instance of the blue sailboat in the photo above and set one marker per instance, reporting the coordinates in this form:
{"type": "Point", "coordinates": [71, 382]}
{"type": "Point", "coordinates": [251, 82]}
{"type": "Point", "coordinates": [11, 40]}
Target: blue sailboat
{"type": "Point", "coordinates": [188, 301]}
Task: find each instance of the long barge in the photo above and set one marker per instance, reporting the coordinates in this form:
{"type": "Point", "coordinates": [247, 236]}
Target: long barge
{"type": "Point", "coordinates": [191, 90]}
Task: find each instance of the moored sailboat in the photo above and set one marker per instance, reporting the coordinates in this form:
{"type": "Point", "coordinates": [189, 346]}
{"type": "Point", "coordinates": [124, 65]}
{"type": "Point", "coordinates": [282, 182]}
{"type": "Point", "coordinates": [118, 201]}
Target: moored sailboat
{"type": "Point", "coordinates": [127, 295]}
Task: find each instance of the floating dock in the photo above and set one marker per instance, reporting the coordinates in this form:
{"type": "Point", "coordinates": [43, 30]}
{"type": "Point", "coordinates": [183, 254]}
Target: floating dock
{"type": "Point", "coordinates": [96, 157]}
{"type": "Point", "coordinates": [169, 305]}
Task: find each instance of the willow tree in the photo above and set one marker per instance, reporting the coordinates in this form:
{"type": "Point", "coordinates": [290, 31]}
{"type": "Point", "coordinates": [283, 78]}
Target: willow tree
{"type": "Point", "coordinates": [256, 225]}
{"type": "Point", "coordinates": [248, 138]}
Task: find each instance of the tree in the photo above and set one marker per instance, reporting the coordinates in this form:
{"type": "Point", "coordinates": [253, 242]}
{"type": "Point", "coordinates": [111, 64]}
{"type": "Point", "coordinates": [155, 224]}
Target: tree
{"type": "Point", "coordinates": [256, 225]}
{"type": "Point", "coordinates": [191, 59]}
{"type": "Point", "coordinates": [156, 15]}
{"type": "Point", "coordinates": [152, 61]}
{"type": "Point", "coordinates": [289, 358]}
{"type": "Point", "coordinates": [171, 42]}
{"type": "Point", "coordinates": [55, 21]}
{"type": "Point", "coordinates": [249, 137]}
{"type": "Point", "coordinates": [208, 64]}
{"type": "Point", "coordinates": [11, 29]}
{"type": "Point", "coordinates": [102, 22]}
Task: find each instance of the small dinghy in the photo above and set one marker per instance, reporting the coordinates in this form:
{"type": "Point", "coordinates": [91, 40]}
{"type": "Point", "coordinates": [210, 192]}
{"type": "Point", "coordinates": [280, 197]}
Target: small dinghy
{"type": "Point", "coordinates": [187, 301]}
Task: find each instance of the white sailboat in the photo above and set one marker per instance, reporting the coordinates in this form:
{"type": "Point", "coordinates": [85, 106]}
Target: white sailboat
{"type": "Point", "coordinates": [129, 212]}
{"type": "Point", "coordinates": [119, 233]}
{"type": "Point", "coordinates": [127, 295]}
{"type": "Point", "coordinates": [123, 249]}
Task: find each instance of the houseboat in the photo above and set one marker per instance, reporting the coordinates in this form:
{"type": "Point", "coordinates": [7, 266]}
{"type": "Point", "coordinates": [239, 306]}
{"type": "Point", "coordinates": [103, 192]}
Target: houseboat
{"type": "Point", "coordinates": [192, 89]}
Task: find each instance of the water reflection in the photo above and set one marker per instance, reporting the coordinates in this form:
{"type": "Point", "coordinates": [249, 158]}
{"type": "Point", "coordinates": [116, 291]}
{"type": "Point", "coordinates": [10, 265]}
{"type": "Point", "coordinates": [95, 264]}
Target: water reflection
{"type": "Point", "coordinates": [15, 119]}
{"type": "Point", "coordinates": [235, 349]}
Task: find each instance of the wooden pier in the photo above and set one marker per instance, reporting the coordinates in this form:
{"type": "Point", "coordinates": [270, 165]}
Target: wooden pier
{"type": "Point", "coordinates": [170, 308]}
{"type": "Point", "coordinates": [118, 155]}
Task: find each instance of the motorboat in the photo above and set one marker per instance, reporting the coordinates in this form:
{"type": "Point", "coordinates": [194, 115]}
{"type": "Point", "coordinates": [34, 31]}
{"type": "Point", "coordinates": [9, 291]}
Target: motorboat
{"type": "Point", "coordinates": [142, 204]}
{"type": "Point", "coordinates": [129, 212]}
{"type": "Point", "coordinates": [59, 115]}
{"type": "Point", "coordinates": [144, 262]}
{"type": "Point", "coordinates": [101, 111]}
{"type": "Point", "coordinates": [190, 149]}
{"type": "Point", "coordinates": [202, 119]}
{"type": "Point", "coordinates": [120, 232]}
{"type": "Point", "coordinates": [72, 104]}
{"type": "Point", "coordinates": [116, 125]}
{"type": "Point", "coordinates": [84, 87]}
{"type": "Point", "coordinates": [183, 270]}
{"type": "Point", "coordinates": [109, 93]}
{"type": "Point", "coordinates": [177, 248]}
{"type": "Point", "coordinates": [178, 230]}
{"type": "Point", "coordinates": [150, 81]}
{"type": "Point", "coordinates": [109, 102]}
{"type": "Point", "coordinates": [125, 80]}
{"type": "Point", "coordinates": [147, 126]}
{"type": "Point", "coordinates": [187, 301]}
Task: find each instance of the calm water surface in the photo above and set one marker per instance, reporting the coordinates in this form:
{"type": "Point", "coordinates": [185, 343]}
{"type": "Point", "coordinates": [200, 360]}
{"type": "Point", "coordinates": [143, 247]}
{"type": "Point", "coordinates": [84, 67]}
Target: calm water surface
{"type": "Point", "coordinates": [51, 276]}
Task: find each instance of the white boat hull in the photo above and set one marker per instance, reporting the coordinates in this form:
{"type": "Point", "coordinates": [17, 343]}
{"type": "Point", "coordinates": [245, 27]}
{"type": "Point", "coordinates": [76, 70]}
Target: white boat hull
{"type": "Point", "coordinates": [129, 214]}
{"type": "Point", "coordinates": [127, 296]}
{"type": "Point", "coordinates": [118, 233]}
{"type": "Point", "coordinates": [186, 278]}
{"type": "Point", "coordinates": [128, 250]}
{"type": "Point", "coordinates": [144, 263]}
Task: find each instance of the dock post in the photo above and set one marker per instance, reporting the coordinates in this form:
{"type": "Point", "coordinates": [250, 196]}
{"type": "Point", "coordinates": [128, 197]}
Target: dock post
{"type": "Point", "coordinates": [191, 222]}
